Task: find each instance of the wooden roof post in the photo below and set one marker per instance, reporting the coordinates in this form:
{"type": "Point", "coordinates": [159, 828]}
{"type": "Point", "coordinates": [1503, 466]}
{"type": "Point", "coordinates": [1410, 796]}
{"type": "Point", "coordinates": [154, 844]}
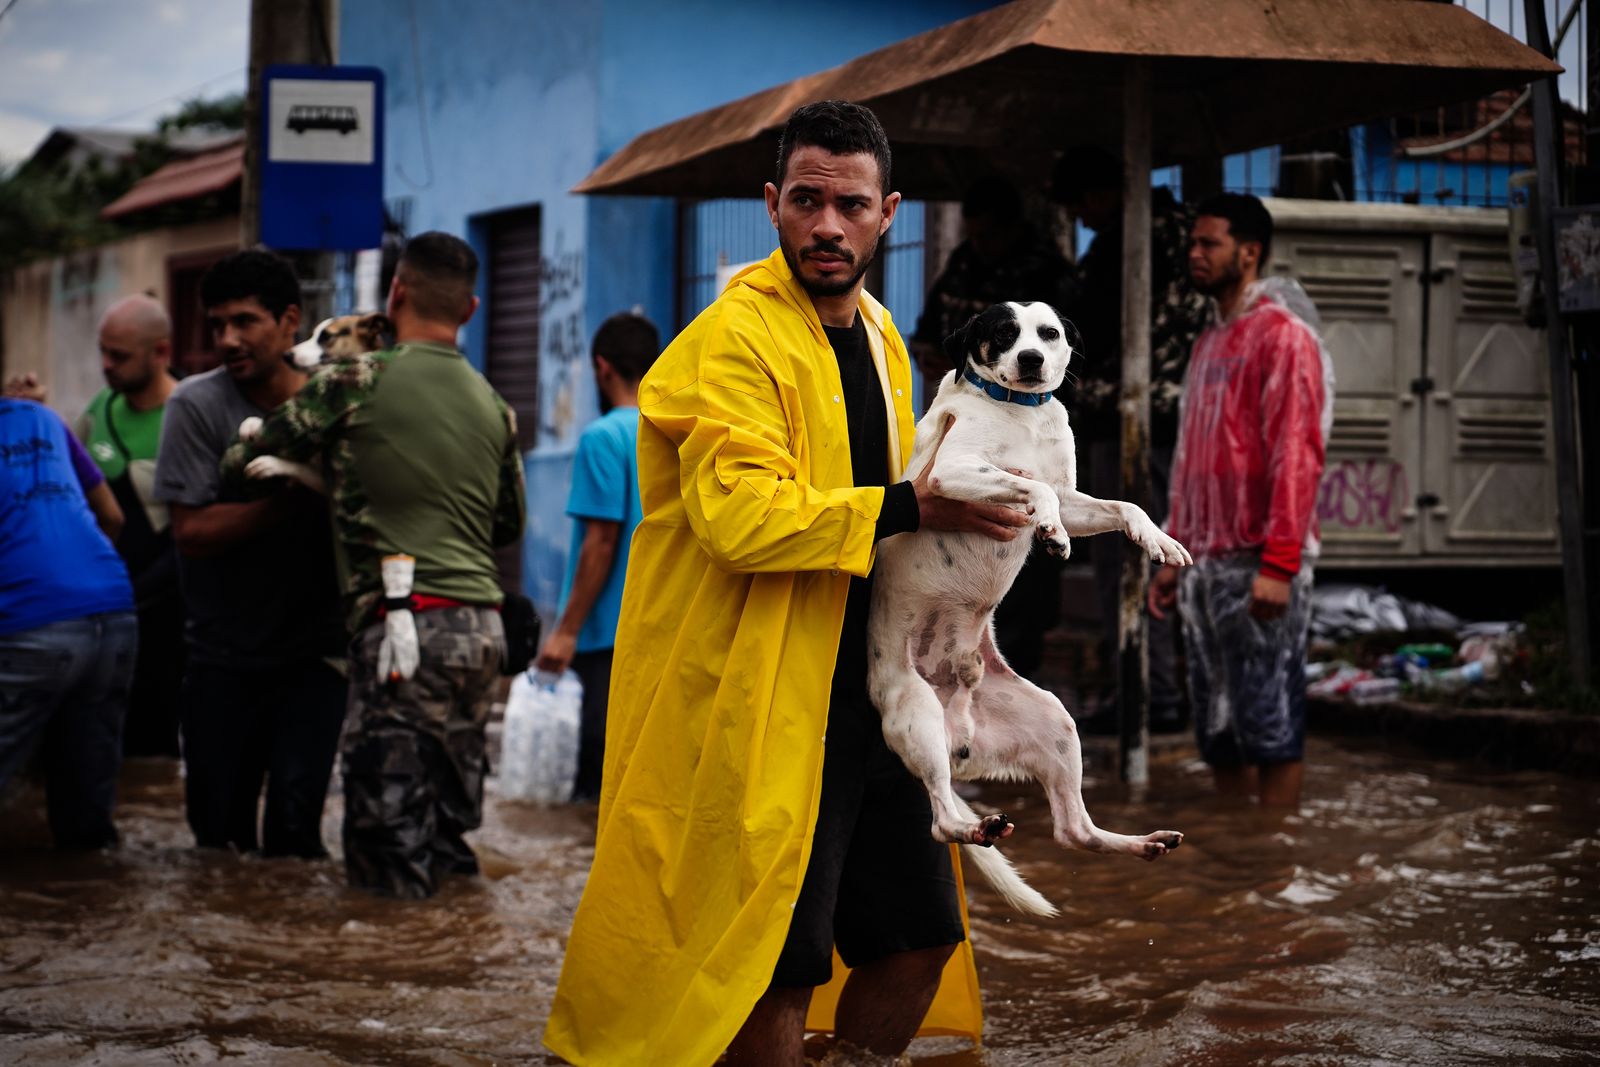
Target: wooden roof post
{"type": "Point", "coordinates": [1133, 689]}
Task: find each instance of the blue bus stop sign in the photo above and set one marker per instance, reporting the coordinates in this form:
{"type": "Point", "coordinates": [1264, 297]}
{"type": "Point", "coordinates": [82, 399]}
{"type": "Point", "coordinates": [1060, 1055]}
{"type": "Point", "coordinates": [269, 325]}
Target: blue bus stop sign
{"type": "Point", "coordinates": [322, 157]}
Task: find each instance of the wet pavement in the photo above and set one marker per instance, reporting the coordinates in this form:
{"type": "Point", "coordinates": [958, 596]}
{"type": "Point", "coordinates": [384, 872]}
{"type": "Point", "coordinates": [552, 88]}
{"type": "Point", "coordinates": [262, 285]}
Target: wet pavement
{"type": "Point", "coordinates": [1416, 911]}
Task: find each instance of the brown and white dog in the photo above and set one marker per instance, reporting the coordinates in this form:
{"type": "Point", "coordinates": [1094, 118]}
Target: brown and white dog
{"type": "Point", "coordinates": [342, 337]}
{"type": "Point", "coordinates": [951, 706]}
{"type": "Point", "coordinates": [334, 340]}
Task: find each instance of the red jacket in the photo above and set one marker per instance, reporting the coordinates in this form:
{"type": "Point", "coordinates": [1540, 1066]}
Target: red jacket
{"type": "Point", "coordinates": [1250, 447]}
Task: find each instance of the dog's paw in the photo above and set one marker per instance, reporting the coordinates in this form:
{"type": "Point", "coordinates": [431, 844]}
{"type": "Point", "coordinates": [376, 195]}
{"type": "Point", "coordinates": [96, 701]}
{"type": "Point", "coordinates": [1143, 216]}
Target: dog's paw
{"type": "Point", "coordinates": [1161, 548]}
{"type": "Point", "coordinates": [277, 467]}
{"type": "Point", "coordinates": [1160, 843]}
{"type": "Point", "coordinates": [250, 428]}
{"type": "Point", "coordinates": [268, 466]}
{"type": "Point", "coordinates": [1055, 540]}
{"type": "Point", "coordinates": [992, 828]}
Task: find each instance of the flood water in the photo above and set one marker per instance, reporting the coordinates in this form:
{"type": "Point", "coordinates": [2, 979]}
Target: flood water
{"type": "Point", "coordinates": [1416, 911]}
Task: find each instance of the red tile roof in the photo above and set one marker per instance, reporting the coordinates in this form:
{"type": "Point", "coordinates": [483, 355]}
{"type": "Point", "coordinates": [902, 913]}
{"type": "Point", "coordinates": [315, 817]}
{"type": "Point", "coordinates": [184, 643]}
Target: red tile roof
{"type": "Point", "coordinates": [181, 180]}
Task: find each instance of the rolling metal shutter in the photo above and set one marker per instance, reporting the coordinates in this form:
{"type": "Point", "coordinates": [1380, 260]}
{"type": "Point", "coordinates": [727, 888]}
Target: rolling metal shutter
{"type": "Point", "coordinates": [512, 351]}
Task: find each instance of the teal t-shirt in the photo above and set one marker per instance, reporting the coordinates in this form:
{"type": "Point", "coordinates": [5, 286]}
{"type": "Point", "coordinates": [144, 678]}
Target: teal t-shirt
{"type": "Point", "coordinates": [605, 485]}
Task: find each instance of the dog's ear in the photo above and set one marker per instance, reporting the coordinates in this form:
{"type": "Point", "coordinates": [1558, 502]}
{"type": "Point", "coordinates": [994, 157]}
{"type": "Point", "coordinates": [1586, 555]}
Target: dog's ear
{"type": "Point", "coordinates": [376, 331]}
{"type": "Point", "coordinates": [958, 346]}
{"type": "Point", "coordinates": [1068, 329]}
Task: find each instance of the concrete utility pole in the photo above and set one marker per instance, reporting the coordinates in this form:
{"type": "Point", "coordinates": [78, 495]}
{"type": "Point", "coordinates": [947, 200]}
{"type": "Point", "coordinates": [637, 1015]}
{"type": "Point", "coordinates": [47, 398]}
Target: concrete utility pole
{"type": "Point", "coordinates": [286, 31]}
{"type": "Point", "coordinates": [1133, 655]}
{"type": "Point", "coordinates": [1549, 145]}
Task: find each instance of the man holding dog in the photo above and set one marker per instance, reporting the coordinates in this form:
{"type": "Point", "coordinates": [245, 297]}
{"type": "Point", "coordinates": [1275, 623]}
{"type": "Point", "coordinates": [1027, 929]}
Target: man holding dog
{"type": "Point", "coordinates": [426, 480]}
{"type": "Point", "coordinates": [1243, 500]}
{"type": "Point", "coordinates": [262, 700]}
{"type": "Point", "coordinates": [732, 855]}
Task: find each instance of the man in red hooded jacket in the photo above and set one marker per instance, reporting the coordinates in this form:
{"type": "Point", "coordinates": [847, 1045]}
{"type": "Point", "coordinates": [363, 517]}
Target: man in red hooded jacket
{"type": "Point", "coordinates": [1243, 500]}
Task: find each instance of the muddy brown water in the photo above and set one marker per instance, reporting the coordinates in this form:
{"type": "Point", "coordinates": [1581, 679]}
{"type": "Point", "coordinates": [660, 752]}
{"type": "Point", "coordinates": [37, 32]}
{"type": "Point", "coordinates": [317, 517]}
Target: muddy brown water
{"type": "Point", "coordinates": [1416, 911]}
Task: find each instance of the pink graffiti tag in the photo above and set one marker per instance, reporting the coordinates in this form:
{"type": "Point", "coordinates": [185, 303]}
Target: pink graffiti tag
{"type": "Point", "coordinates": [1361, 495]}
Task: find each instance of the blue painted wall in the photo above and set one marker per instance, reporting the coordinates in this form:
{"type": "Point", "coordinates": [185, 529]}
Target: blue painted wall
{"type": "Point", "coordinates": [500, 104]}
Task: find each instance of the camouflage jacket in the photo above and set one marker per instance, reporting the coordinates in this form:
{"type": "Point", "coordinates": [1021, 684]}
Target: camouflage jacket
{"type": "Point", "coordinates": [1177, 315]}
{"type": "Point", "coordinates": [420, 455]}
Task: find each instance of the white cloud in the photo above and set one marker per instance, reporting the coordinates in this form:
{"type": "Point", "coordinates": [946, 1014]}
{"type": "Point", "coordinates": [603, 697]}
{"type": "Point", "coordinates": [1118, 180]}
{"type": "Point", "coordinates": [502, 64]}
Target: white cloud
{"type": "Point", "coordinates": [109, 62]}
{"type": "Point", "coordinates": [49, 61]}
{"type": "Point", "coordinates": [19, 136]}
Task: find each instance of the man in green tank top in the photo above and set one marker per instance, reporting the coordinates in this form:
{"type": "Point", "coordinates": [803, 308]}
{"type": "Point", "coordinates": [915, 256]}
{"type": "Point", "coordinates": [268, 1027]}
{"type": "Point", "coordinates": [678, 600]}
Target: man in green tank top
{"type": "Point", "coordinates": [121, 429]}
{"type": "Point", "coordinates": [426, 481]}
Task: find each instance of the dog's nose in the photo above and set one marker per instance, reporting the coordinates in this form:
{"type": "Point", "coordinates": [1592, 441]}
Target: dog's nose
{"type": "Point", "coordinates": [1030, 361]}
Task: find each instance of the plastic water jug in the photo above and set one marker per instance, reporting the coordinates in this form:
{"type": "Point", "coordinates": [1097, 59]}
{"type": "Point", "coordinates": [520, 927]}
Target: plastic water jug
{"type": "Point", "coordinates": [539, 742]}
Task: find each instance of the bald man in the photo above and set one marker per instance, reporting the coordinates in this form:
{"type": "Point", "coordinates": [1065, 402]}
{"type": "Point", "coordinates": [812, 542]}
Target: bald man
{"type": "Point", "coordinates": [121, 429]}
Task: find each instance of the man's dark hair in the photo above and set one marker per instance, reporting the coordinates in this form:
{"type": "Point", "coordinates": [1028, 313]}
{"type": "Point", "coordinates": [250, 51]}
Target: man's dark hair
{"type": "Point", "coordinates": [839, 127]}
{"type": "Point", "coordinates": [1248, 218]}
{"type": "Point", "coordinates": [992, 198]}
{"type": "Point", "coordinates": [1084, 167]}
{"type": "Point", "coordinates": [439, 271]}
{"type": "Point", "coordinates": [629, 342]}
{"type": "Point", "coordinates": [253, 273]}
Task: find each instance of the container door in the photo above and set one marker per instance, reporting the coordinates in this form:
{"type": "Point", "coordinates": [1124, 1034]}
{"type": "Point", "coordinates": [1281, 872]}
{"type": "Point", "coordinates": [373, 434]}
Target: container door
{"type": "Point", "coordinates": [1490, 471]}
{"type": "Point", "coordinates": [1367, 290]}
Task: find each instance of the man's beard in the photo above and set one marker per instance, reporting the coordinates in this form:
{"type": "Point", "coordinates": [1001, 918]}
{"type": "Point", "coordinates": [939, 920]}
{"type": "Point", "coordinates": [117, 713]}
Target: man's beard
{"type": "Point", "coordinates": [130, 385]}
{"type": "Point", "coordinates": [1230, 276]}
{"type": "Point", "coordinates": [827, 288]}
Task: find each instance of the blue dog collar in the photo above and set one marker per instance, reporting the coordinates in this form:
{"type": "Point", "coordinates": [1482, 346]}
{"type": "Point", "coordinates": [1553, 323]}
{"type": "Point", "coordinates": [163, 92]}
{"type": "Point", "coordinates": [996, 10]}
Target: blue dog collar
{"type": "Point", "coordinates": [1010, 396]}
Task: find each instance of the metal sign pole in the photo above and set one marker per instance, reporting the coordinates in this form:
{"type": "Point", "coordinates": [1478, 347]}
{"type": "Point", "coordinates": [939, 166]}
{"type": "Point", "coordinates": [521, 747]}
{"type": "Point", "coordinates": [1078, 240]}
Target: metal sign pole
{"type": "Point", "coordinates": [1548, 134]}
{"type": "Point", "coordinates": [1133, 690]}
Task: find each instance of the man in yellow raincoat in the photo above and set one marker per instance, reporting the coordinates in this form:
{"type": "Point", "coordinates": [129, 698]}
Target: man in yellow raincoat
{"type": "Point", "coordinates": [731, 856]}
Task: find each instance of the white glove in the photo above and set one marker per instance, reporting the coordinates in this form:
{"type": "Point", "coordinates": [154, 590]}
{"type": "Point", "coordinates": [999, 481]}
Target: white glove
{"type": "Point", "coordinates": [399, 653]}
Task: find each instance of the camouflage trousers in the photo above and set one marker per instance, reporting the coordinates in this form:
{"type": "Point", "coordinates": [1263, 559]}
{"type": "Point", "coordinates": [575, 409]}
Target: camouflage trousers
{"type": "Point", "coordinates": [414, 760]}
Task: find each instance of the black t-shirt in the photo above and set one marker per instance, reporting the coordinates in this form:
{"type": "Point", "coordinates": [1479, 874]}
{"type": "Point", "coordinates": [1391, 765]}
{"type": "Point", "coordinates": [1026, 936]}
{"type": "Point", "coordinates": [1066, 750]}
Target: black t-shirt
{"type": "Point", "coordinates": [862, 396]}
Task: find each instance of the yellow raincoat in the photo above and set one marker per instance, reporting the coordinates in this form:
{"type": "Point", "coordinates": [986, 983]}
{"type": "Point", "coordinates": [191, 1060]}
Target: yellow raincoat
{"type": "Point", "coordinates": [730, 623]}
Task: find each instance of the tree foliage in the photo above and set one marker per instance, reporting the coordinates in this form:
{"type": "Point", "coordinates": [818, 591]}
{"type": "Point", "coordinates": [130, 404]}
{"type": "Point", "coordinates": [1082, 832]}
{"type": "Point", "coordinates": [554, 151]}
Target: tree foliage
{"type": "Point", "coordinates": [47, 211]}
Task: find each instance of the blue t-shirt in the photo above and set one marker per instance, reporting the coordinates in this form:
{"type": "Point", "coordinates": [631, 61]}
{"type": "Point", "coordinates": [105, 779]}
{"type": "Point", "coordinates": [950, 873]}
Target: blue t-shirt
{"type": "Point", "coordinates": [55, 563]}
{"type": "Point", "coordinates": [605, 485]}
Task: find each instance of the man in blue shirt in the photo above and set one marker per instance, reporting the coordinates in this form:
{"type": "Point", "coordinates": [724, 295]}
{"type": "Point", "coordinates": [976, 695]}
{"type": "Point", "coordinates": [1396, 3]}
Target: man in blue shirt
{"type": "Point", "coordinates": [605, 502]}
{"type": "Point", "coordinates": [67, 630]}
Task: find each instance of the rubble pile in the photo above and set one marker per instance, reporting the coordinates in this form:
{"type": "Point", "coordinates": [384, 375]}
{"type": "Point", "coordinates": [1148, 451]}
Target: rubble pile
{"type": "Point", "coordinates": [1370, 646]}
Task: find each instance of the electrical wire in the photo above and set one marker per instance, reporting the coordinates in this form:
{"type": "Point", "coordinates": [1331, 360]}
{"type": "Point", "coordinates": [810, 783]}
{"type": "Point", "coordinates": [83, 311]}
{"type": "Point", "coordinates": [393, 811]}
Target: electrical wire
{"type": "Point", "coordinates": [180, 95]}
{"type": "Point", "coordinates": [1424, 151]}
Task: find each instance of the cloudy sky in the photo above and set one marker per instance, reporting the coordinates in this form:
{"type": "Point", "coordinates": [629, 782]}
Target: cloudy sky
{"type": "Point", "coordinates": [120, 63]}
{"type": "Point", "coordinates": [124, 63]}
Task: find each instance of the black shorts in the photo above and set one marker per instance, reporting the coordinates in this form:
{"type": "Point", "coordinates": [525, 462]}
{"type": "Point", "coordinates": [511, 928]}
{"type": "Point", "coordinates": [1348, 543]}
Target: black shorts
{"type": "Point", "coordinates": [877, 882]}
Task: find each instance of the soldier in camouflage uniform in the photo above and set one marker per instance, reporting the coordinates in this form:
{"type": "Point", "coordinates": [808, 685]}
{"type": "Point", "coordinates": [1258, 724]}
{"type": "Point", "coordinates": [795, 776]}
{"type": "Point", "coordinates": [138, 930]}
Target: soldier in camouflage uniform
{"type": "Point", "coordinates": [1003, 258]}
{"type": "Point", "coordinates": [1088, 182]}
{"type": "Point", "coordinates": [422, 459]}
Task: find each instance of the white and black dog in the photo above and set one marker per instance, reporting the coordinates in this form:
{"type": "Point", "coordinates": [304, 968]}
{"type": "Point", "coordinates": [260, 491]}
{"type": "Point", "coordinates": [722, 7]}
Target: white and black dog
{"type": "Point", "coordinates": [951, 706]}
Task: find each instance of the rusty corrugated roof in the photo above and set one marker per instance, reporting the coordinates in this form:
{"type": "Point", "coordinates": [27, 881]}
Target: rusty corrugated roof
{"type": "Point", "coordinates": [1007, 88]}
{"type": "Point", "coordinates": [182, 180]}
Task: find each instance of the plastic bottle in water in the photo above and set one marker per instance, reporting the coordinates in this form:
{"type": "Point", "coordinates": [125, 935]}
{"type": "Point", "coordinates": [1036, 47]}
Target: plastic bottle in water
{"type": "Point", "coordinates": [1452, 679]}
{"type": "Point", "coordinates": [539, 742]}
{"type": "Point", "coordinates": [1375, 691]}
